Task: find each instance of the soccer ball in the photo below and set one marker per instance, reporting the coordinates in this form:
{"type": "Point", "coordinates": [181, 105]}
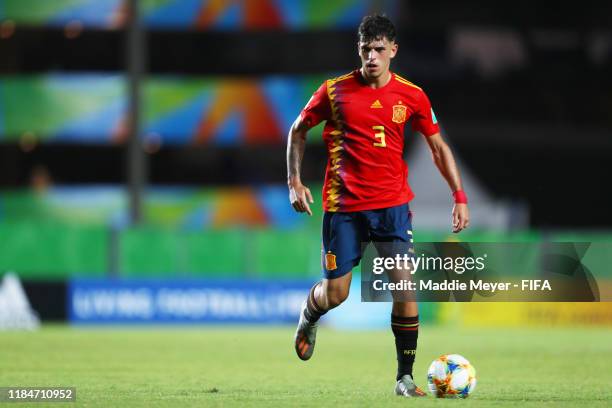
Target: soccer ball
{"type": "Point", "coordinates": [451, 376]}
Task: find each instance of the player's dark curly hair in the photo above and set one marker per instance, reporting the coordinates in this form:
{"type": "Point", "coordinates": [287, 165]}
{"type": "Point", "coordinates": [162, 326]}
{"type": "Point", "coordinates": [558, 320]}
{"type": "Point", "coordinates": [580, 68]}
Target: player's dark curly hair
{"type": "Point", "coordinates": [375, 27]}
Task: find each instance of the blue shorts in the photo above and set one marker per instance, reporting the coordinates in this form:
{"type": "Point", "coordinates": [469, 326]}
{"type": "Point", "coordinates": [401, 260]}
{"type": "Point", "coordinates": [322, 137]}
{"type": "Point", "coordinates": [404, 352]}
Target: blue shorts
{"type": "Point", "coordinates": [345, 233]}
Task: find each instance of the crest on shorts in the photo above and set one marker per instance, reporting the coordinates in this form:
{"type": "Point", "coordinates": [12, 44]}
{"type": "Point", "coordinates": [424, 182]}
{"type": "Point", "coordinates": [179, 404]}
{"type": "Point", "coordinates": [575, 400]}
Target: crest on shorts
{"type": "Point", "coordinates": [330, 261]}
{"type": "Point", "coordinates": [399, 113]}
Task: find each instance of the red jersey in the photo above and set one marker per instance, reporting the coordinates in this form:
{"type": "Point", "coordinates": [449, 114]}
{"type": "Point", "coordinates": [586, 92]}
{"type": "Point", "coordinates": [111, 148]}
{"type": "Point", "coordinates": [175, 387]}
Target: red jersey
{"type": "Point", "coordinates": [364, 134]}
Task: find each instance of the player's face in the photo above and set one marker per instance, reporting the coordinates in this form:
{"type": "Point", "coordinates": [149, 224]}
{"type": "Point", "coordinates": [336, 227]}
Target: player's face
{"type": "Point", "coordinates": [376, 56]}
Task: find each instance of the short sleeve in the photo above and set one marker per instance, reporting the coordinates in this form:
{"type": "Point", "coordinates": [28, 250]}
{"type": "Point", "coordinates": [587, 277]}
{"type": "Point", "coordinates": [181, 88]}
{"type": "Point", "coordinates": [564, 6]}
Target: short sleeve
{"type": "Point", "coordinates": [424, 119]}
{"type": "Point", "coordinates": [317, 109]}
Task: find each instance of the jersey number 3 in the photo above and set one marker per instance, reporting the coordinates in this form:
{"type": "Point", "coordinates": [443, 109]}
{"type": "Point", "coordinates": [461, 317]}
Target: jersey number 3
{"type": "Point", "coordinates": [380, 135]}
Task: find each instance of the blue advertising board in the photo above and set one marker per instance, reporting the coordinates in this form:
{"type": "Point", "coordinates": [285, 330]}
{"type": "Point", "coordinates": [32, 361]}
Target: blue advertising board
{"type": "Point", "coordinates": [106, 301]}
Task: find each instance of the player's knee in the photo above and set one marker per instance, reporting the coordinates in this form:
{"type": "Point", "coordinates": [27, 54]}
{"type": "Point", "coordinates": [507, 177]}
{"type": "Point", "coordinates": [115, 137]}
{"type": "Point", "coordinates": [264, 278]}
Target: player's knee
{"type": "Point", "coordinates": [336, 297]}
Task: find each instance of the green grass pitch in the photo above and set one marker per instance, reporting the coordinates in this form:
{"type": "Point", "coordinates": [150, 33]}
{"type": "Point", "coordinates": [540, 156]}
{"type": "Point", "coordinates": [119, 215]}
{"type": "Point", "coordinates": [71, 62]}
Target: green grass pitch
{"type": "Point", "coordinates": [238, 366]}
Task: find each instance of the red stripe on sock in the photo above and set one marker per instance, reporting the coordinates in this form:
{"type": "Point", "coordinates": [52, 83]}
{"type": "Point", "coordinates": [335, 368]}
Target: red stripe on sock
{"type": "Point", "coordinates": [404, 320]}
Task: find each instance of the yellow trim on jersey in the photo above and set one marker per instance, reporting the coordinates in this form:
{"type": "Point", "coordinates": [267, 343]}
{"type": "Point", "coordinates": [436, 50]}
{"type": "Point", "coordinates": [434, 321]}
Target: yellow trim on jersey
{"type": "Point", "coordinates": [342, 77]}
{"type": "Point", "coordinates": [406, 82]}
{"type": "Point", "coordinates": [334, 184]}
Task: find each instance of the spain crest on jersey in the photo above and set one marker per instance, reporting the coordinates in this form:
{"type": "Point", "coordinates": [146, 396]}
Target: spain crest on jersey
{"type": "Point", "coordinates": [330, 261]}
{"type": "Point", "coordinates": [399, 113]}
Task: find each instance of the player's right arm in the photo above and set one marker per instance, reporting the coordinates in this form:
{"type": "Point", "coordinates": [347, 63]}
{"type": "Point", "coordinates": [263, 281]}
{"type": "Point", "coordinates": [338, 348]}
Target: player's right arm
{"type": "Point", "coordinates": [426, 123]}
{"type": "Point", "coordinates": [316, 110]}
{"type": "Point", "coordinates": [299, 194]}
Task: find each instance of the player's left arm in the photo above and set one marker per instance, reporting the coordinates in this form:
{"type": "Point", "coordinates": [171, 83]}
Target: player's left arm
{"type": "Point", "coordinates": [445, 162]}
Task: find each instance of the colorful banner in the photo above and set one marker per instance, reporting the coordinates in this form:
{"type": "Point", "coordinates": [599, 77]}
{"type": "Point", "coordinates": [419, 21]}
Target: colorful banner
{"type": "Point", "coordinates": [91, 13]}
{"type": "Point", "coordinates": [194, 301]}
{"type": "Point", "coordinates": [224, 111]}
{"type": "Point", "coordinates": [66, 108]}
{"type": "Point", "coordinates": [186, 208]}
{"type": "Point", "coordinates": [176, 110]}
{"type": "Point", "coordinates": [199, 14]}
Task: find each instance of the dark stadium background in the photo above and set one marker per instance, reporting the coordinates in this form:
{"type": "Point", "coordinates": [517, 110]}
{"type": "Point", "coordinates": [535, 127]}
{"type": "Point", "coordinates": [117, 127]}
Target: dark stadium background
{"type": "Point", "coordinates": [523, 94]}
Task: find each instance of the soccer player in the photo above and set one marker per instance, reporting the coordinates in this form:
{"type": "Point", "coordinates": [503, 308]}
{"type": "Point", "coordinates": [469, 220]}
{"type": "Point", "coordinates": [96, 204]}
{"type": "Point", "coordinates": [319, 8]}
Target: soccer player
{"type": "Point", "coordinates": [366, 192]}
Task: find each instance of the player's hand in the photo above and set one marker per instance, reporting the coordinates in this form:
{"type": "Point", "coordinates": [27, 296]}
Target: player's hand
{"type": "Point", "coordinates": [461, 217]}
{"type": "Point", "coordinates": [300, 197]}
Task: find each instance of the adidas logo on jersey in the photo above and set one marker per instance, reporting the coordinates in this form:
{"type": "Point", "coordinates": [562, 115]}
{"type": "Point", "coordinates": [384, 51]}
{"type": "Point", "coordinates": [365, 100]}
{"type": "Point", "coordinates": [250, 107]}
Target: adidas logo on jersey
{"type": "Point", "coordinates": [376, 105]}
